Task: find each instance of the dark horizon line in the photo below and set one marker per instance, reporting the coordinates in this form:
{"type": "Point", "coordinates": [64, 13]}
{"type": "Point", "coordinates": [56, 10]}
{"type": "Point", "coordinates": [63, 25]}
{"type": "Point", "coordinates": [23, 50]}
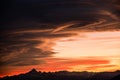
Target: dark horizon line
{"type": "Point", "coordinates": [59, 71]}
{"type": "Point", "coordinates": [74, 71]}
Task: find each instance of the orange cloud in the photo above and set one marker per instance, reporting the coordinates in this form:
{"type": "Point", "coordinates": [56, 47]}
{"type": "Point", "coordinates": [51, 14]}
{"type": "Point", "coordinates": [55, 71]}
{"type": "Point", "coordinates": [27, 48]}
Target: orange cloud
{"type": "Point", "coordinates": [55, 64]}
{"type": "Point", "coordinates": [59, 28]}
{"type": "Point", "coordinates": [100, 66]}
{"type": "Point", "coordinates": [106, 67]}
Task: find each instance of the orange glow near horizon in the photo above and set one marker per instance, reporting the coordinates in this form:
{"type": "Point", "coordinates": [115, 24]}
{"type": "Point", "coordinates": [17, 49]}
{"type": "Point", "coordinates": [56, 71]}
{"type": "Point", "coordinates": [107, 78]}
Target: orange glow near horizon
{"type": "Point", "coordinates": [93, 51]}
{"type": "Point", "coordinates": [105, 45]}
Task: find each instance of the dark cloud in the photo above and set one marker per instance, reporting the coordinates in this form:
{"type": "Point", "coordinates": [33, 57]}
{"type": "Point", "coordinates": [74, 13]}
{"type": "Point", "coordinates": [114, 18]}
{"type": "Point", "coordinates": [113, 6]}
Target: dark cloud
{"type": "Point", "coordinates": [25, 58]}
{"type": "Point", "coordinates": [56, 11]}
{"type": "Point", "coordinates": [22, 20]}
{"type": "Point", "coordinates": [21, 53]}
{"type": "Point", "coordinates": [20, 48]}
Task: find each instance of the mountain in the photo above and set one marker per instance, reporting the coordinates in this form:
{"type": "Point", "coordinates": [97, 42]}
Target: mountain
{"type": "Point", "coordinates": [33, 71]}
{"type": "Point", "coordinates": [116, 77]}
{"type": "Point", "coordinates": [64, 75]}
{"type": "Point", "coordinates": [104, 76]}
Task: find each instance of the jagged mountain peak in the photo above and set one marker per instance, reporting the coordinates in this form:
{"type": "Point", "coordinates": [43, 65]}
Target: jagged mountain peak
{"type": "Point", "coordinates": [32, 71]}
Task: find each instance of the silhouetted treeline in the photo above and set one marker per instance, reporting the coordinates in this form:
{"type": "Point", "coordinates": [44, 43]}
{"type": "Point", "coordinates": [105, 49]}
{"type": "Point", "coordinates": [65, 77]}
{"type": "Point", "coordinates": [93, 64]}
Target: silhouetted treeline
{"type": "Point", "coordinates": [65, 75]}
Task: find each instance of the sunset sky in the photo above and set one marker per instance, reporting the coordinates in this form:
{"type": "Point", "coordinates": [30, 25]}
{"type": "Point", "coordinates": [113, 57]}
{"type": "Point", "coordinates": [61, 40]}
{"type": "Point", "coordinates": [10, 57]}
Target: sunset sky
{"type": "Point", "coordinates": [54, 35]}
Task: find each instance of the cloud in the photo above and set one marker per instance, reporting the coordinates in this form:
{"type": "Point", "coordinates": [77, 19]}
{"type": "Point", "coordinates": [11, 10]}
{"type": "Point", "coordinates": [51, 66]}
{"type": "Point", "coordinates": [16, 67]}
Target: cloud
{"type": "Point", "coordinates": [63, 27]}
{"type": "Point", "coordinates": [101, 67]}
{"type": "Point", "coordinates": [21, 48]}
{"type": "Point", "coordinates": [51, 11]}
{"type": "Point", "coordinates": [53, 64]}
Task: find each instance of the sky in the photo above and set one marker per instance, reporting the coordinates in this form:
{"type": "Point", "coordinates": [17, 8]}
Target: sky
{"type": "Point", "coordinates": [54, 35]}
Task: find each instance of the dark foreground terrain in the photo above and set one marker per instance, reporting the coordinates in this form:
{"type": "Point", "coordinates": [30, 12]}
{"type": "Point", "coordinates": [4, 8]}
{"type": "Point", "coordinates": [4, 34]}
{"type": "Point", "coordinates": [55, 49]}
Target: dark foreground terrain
{"type": "Point", "coordinates": [65, 75]}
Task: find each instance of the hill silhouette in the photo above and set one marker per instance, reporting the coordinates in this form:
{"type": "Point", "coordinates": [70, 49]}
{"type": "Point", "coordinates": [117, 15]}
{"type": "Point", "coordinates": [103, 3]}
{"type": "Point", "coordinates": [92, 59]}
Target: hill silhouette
{"type": "Point", "coordinates": [33, 71]}
{"type": "Point", "coordinates": [64, 75]}
{"type": "Point", "coordinates": [116, 77]}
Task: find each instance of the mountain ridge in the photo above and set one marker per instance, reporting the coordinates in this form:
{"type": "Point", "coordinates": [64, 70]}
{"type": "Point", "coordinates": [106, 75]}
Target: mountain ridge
{"type": "Point", "coordinates": [33, 74]}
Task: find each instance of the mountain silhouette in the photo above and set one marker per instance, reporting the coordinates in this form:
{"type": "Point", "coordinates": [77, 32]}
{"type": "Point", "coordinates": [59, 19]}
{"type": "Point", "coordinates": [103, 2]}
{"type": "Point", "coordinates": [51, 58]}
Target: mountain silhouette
{"type": "Point", "coordinates": [116, 77]}
{"type": "Point", "coordinates": [33, 74]}
{"type": "Point", "coordinates": [33, 71]}
{"type": "Point", "coordinates": [104, 76]}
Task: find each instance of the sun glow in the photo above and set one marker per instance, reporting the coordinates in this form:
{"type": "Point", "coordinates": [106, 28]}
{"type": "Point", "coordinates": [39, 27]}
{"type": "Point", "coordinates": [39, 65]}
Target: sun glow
{"type": "Point", "coordinates": [92, 44]}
